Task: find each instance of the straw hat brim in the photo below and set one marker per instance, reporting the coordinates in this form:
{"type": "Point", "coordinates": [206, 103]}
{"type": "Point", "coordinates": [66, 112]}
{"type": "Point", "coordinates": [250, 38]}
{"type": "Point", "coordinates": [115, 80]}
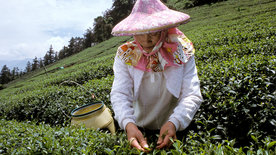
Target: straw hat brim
{"type": "Point", "coordinates": [141, 23]}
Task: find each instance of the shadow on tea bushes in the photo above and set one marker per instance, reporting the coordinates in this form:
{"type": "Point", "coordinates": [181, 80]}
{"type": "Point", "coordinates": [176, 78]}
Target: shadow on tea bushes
{"type": "Point", "coordinates": [50, 105]}
{"type": "Point", "coordinates": [239, 97]}
{"type": "Point", "coordinates": [205, 141]}
{"type": "Point", "coordinates": [101, 88]}
{"type": "Point", "coordinates": [54, 104]}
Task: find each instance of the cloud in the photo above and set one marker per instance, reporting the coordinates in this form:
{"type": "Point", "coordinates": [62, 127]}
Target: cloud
{"type": "Point", "coordinates": [29, 27]}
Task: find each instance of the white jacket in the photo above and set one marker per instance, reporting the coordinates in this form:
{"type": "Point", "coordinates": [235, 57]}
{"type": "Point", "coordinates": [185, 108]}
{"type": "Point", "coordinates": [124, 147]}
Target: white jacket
{"type": "Point", "coordinates": [182, 82]}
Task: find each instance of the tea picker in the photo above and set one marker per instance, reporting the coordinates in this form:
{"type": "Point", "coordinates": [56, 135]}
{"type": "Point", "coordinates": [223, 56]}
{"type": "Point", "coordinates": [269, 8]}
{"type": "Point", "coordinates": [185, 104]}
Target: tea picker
{"type": "Point", "coordinates": [155, 87]}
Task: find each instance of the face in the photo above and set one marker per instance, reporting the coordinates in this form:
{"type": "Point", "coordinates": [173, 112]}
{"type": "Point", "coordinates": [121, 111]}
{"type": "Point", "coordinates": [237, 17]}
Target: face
{"type": "Point", "coordinates": [148, 41]}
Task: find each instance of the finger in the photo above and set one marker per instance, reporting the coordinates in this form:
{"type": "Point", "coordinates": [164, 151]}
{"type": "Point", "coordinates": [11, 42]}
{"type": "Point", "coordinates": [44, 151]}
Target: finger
{"type": "Point", "coordinates": [171, 141]}
{"type": "Point", "coordinates": [142, 141]}
{"type": "Point", "coordinates": [162, 136]}
{"type": "Point", "coordinates": [134, 143]}
{"type": "Point", "coordinates": [165, 142]}
{"type": "Point", "coordinates": [144, 144]}
{"type": "Point", "coordinates": [160, 140]}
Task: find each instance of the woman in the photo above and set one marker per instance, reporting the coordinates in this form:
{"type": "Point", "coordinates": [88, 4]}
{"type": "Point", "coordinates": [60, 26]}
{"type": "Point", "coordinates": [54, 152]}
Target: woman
{"type": "Point", "coordinates": [155, 86]}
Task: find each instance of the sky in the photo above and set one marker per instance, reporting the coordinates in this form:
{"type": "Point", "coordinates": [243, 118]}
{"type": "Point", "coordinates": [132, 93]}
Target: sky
{"type": "Point", "coordinates": [29, 27]}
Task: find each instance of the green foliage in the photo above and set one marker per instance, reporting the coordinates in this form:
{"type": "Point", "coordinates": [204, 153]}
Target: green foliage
{"type": "Point", "coordinates": [184, 4]}
{"type": "Point", "coordinates": [47, 104]}
{"type": "Point", "coordinates": [206, 142]}
{"type": "Point", "coordinates": [2, 86]}
{"type": "Point", "coordinates": [30, 138]}
{"type": "Point", "coordinates": [235, 56]}
{"type": "Point", "coordinates": [240, 89]}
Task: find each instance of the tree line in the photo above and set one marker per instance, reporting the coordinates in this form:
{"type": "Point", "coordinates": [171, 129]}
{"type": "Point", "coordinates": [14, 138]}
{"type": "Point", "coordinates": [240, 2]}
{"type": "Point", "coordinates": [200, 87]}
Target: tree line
{"type": "Point", "coordinates": [101, 31]}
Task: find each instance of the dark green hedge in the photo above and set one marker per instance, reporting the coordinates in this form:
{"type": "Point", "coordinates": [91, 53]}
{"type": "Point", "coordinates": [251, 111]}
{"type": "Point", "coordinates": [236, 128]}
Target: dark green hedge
{"type": "Point", "coordinates": [239, 97]}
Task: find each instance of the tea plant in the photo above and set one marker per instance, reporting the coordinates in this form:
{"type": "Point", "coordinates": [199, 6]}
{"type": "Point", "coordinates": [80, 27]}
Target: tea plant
{"type": "Point", "coordinates": [41, 138]}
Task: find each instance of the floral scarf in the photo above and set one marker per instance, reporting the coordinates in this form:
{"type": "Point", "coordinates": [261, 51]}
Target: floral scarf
{"type": "Point", "coordinates": [173, 49]}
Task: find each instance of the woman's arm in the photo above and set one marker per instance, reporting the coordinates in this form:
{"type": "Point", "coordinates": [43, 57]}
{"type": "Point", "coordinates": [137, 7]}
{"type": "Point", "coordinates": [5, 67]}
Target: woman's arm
{"type": "Point", "coordinates": [122, 94]}
{"type": "Point", "coordinates": [122, 101]}
{"type": "Point", "coordinates": [190, 97]}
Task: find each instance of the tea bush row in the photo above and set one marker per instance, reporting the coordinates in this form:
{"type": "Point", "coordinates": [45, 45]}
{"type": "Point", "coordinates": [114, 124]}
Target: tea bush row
{"type": "Point", "coordinates": [239, 96]}
{"type": "Point", "coordinates": [238, 89]}
{"type": "Point", "coordinates": [50, 103]}
{"type": "Point", "coordinates": [32, 138]}
{"type": "Point", "coordinates": [48, 99]}
{"type": "Point", "coordinates": [251, 36]}
{"type": "Point", "coordinates": [94, 69]}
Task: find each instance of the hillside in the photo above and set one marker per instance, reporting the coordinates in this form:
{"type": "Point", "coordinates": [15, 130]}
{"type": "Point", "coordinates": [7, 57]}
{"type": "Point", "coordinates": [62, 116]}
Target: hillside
{"type": "Point", "coordinates": [236, 59]}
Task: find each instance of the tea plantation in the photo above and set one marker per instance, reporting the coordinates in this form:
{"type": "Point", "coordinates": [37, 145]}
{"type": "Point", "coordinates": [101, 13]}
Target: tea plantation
{"type": "Point", "coordinates": [236, 61]}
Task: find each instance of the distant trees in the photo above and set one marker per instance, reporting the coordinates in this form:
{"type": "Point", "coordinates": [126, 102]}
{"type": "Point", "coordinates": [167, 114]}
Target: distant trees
{"type": "Point", "coordinates": [88, 38]}
{"type": "Point", "coordinates": [15, 73]}
{"type": "Point", "coordinates": [101, 30]}
{"type": "Point", "coordinates": [41, 64]}
{"type": "Point", "coordinates": [7, 75]}
{"type": "Point", "coordinates": [49, 56]}
{"type": "Point", "coordinates": [120, 9]}
{"type": "Point", "coordinates": [35, 64]}
{"type": "Point", "coordinates": [28, 67]}
{"type": "Point", "coordinates": [76, 44]}
{"type": "Point", "coordinates": [103, 24]}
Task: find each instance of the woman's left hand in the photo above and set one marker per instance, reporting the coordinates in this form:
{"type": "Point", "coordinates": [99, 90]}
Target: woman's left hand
{"type": "Point", "coordinates": [167, 131]}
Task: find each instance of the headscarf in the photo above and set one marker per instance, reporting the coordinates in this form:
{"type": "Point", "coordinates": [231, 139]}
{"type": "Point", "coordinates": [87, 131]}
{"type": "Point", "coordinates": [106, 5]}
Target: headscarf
{"type": "Point", "coordinates": [172, 49]}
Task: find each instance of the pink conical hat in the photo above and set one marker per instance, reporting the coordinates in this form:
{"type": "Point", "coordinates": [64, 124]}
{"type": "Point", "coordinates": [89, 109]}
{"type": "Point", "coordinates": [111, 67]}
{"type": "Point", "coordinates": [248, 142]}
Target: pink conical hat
{"type": "Point", "coordinates": [149, 16]}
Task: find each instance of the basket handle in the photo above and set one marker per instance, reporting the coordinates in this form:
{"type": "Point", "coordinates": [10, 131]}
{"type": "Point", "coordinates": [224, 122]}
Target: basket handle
{"type": "Point", "coordinates": [93, 96]}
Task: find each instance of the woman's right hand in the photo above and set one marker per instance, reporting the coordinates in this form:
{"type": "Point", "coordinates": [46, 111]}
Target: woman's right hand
{"type": "Point", "coordinates": [136, 138]}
